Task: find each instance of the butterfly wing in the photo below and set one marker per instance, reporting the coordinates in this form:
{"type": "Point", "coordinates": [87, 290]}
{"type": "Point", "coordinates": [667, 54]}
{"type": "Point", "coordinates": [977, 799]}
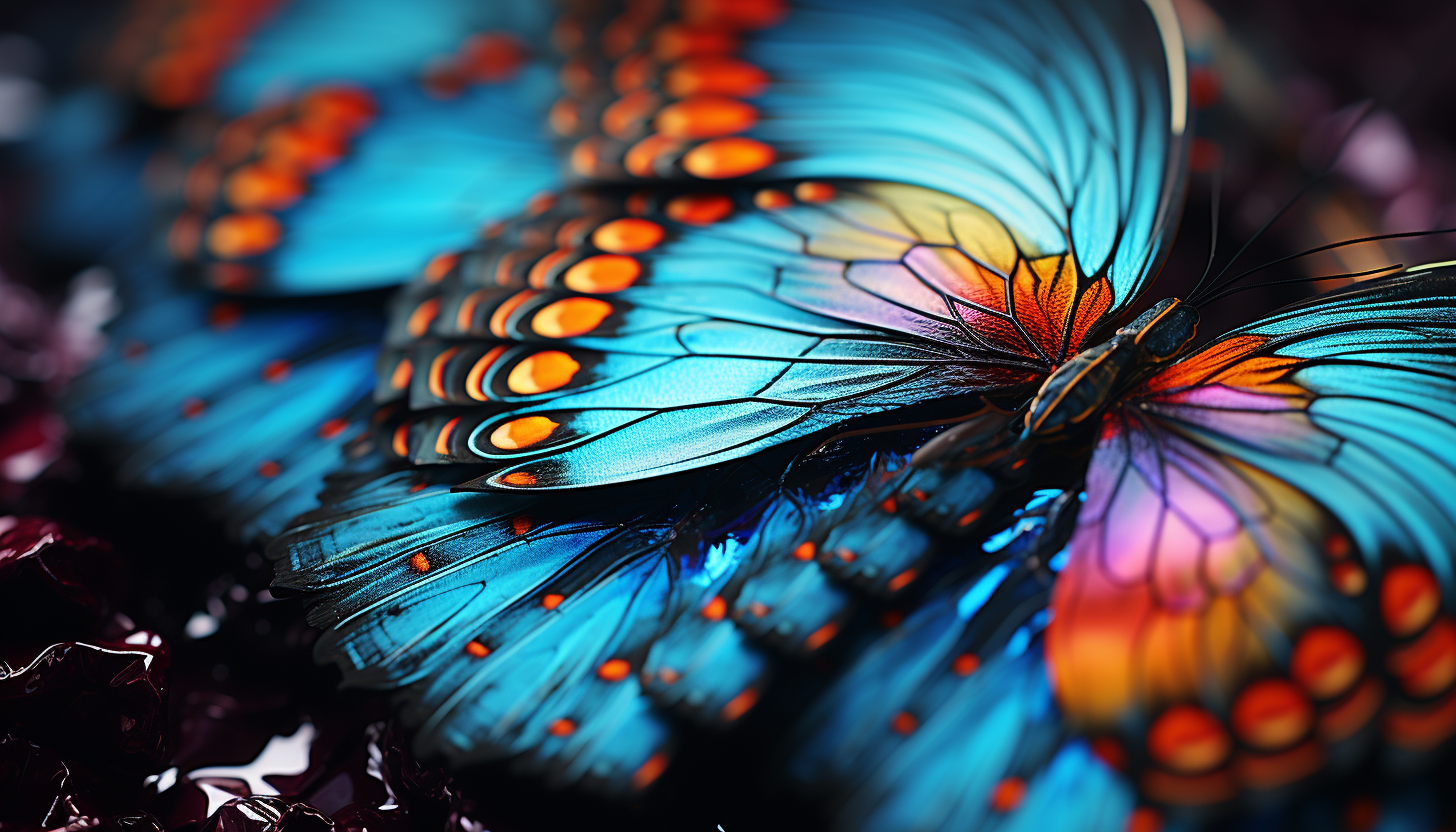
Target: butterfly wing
{"type": "Point", "coordinates": [1266, 547]}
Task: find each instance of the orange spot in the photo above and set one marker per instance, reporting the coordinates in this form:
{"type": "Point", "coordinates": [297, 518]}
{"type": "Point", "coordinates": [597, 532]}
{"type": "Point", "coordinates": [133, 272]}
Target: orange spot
{"type": "Point", "coordinates": [769, 199]}
{"type": "Point", "coordinates": [570, 317]}
{"type": "Point", "coordinates": [492, 57]}
{"type": "Point", "coordinates": [442, 442]}
{"type": "Point", "coordinates": [523, 432]}
{"type": "Point", "coordinates": [562, 728]}
{"type": "Point", "coordinates": [400, 378]}
{"type": "Point", "coordinates": [1337, 546]}
{"type": "Point", "coordinates": [536, 277]}
{"type": "Point", "coordinates": [420, 319]}
{"type": "Point", "coordinates": [627, 236]}
{"type": "Point", "coordinates": [728, 158]}
{"type": "Point", "coordinates": [503, 312]}
{"type": "Point", "coordinates": [435, 379]}
{"type": "Point", "coordinates": [193, 407]}
{"type": "Point", "coordinates": [1111, 752]}
{"type": "Point", "coordinates": [552, 601]}
{"type": "Point", "coordinates": [1348, 578]}
{"type": "Point", "coordinates": [805, 550]}
{"type": "Point", "coordinates": [276, 370]}
{"type": "Point", "coordinates": [1361, 814]}
{"type": "Point", "coordinates": [706, 117]}
{"type": "Point", "coordinates": [295, 147]}
{"type": "Point", "coordinates": [586, 156]}
{"type": "Point", "coordinates": [740, 704]}
{"type": "Point", "coordinates": [623, 118]}
{"type": "Point", "coordinates": [520, 524]}
{"type": "Point", "coordinates": [1271, 714]}
{"type": "Point", "coordinates": [185, 235]}
{"type": "Point", "coordinates": [261, 187]}
{"type": "Point", "coordinates": [715, 75]}
{"type": "Point", "coordinates": [641, 158]}
{"type": "Point", "coordinates": [888, 505]}
{"type": "Point", "coordinates": [477, 649]}
{"type": "Point", "coordinates": [564, 117]}
{"type": "Point", "coordinates": [1327, 661]}
{"type": "Point", "coordinates": [821, 636]}
{"type": "Point", "coordinates": [602, 273]}
{"type": "Point", "coordinates": [904, 723]}
{"type": "Point", "coordinates": [1144, 819]}
{"type": "Point", "coordinates": [419, 563]}
{"type": "Point", "coordinates": [649, 771]}
{"type": "Point", "coordinates": [1409, 598]}
{"type": "Point", "coordinates": [673, 41]}
{"type": "Point", "coordinates": [224, 315]}
{"type": "Point", "coordinates": [540, 204]}
{"type": "Point", "coordinates": [519, 478]}
{"type": "Point", "coordinates": [234, 236]}
{"type": "Point", "coordinates": [965, 664]}
{"type": "Point", "coordinates": [669, 676]}
{"type": "Point", "coordinates": [332, 428]}
{"type": "Point", "coordinates": [814, 191]}
{"type": "Point", "coordinates": [1427, 666]}
{"type": "Point", "coordinates": [715, 609]}
{"type": "Point", "coordinates": [542, 373]}
{"type": "Point", "coordinates": [400, 442]}
{"type": "Point", "coordinates": [418, 487]}
{"type": "Point", "coordinates": [1188, 740]}
{"type": "Point", "coordinates": [845, 555]}
{"type": "Point", "coordinates": [614, 670]}
{"type": "Point", "coordinates": [439, 266]}
{"type": "Point", "coordinates": [758, 609]}
{"type": "Point", "coordinates": [269, 469]}
{"type": "Point", "coordinates": [699, 209]}
{"type": "Point", "coordinates": [1008, 794]}
{"type": "Point", "coordinates": [901, 580]}
{"type": "Point", "coordinates": [345, 110]}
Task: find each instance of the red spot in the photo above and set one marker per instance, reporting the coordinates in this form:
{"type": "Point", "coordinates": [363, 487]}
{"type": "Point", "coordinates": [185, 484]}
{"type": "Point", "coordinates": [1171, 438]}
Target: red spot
{"type": "Point", "coordinates": [699, 209]}
{"type": "Point", "coordinates": [440, 266]}
{"type": "Point", "coordinates": [477, 649]}
{"type": "Point", "coordinates": [521, 524]}
{"type": "Point", "coordinates": [492, 57]}
{"type": "Point", "coordinates": [965, 664]}
{"type": "Point", "coordinates": [715, 609]}
{"type": "Point", "coordinates": [728, 158]}
{"type": "Point", "coordinates": [968, 519]}
{"type": "Point", "coordinates": [552, 601]}
{"type": "Point", "coordinates": [1427, 666]}
{"type": "Point", "coordinates": [276, 371]}
{"type": "Point", "coordinates": [814, 191]}
{"type": "Point", "coordinates": [901, 580]}
{"type": "Point", "coordinates": [562, 728]}
{"type": "Point", "coordinates": [904, 723]}
{"type": "Point", "coordinates": [332, 428]}
{"type": "Point", "coordinates": [338, 109]}
{"type": "Point", "coordinates": [1337, 546]}
{"type": "Point", "coordinates": [769, 199]}
{"type": "Point", "coordinates": [649, 771]}
{"type": "Point", "coordinates": [805, 551]}
{"type": "Point", "coordinates": [1008, 794]}
{"type": "Point", "coordinates": [1144, 819]}
{"type": "Point", "coordinates": [1188, 740]}
{"type": "Point", "coordinates": [1409, 598]}
{"type": "Point", "coordinates": [614, 670]}
{"type": "Point", "coordinates": [418, 487]}
{"type": "Point", "coordinates": [1327, 661]}
{"type": "Point", "coordinates": [1348, 578]}
{"type": "Point", "coordinates": [845, 555]}
{"type": "Point", "coordinates": [1271, 714]}
{"type": "Point", "coordinates": [889, 505]}
{"type": "Point", "coordinates": [1111, 752]}
{"type": "Point", "coordinates": [821, 636]}
{"type": "Point", "coordinates": [193, 407]}
{"type": "Point", "coordinates": [519, 478]}
{"type": "Point", "coordinates": [224, 315]}
{"type": "Point", "coordinates": [740, 704]}
{"type": "Point", "coordinates": [269, 469]}
{"type": "Point", "coordinates": [419, 562]}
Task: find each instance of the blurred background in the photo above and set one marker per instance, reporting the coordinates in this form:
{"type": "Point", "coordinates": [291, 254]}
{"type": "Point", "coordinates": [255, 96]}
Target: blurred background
{"type": "Point", "coordinates": [1277, 87]}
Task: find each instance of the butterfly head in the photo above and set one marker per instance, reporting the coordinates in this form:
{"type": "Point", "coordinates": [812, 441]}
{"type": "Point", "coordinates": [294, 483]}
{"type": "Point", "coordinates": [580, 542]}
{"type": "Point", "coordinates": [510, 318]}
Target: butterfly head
{"type": "Point", "coordinates": [1087, 385]}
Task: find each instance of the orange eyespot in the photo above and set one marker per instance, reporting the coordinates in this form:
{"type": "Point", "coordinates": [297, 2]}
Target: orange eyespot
{"type": "Point", "coordinates": [1271, 714]}
{"type": "Point", "coordinates": [728, 158]}
{"type": "Point", "coordinates": [1188, 740]}
{"type": "Point", "coordinates": [614, 670]}
{"type": "Point", "coordinates": [522, 433]}
{"type": "Point", "coordinates": [1327, 661]}
{"type": "Point", "coordinates": [715, 609]}
{"type": "Point", "coordinates": [235, 236]}
{"type": "Point", "coordinates": [602, 273]}
{"type": "Point", "coordinates": [541, 373]}
{"type": "Point", "coordinates": [1409, 598]}
{"type": "Point", "coordinates": [805, 550]}
{"type": "Point", "coordinates": [262, 187]}
{"type": "Point", "coordinates": [570, 317]}
{"type": "Point", "coordinates": [706, 117]}
{"type": "Point", "coordinates": [628, 235]}
{"type": "Point", "coordinates": [699, 209]}
{"type": "Point", "coordinates": [562, 728]}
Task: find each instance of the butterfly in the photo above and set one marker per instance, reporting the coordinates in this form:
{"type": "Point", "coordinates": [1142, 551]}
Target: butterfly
{"type": "Point", "coordinates": [839, 289]}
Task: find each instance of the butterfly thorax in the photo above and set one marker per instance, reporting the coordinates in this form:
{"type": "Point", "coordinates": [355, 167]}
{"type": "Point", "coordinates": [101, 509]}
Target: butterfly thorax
{"type": "Point", "coordinates": [1093, 380]}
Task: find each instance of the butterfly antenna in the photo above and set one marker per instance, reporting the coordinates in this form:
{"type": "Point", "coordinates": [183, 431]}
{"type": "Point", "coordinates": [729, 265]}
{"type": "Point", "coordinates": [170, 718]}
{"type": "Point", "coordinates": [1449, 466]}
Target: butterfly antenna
{"type": "Point", "coordinates": [1395, 235]}
{"type": "Point", "coordinates": [1234, 290]}
{"type": "Point", "coordinates": [1218, 282]}
{"type": "Point", "coordinates": [1217, 188]}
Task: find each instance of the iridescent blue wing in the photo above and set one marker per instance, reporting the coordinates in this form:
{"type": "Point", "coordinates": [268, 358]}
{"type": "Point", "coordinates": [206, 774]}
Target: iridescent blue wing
{"type": "Point", "coordinates": [1063, 120]}
{"type": "Point", "coordinates": [1262, 576]}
